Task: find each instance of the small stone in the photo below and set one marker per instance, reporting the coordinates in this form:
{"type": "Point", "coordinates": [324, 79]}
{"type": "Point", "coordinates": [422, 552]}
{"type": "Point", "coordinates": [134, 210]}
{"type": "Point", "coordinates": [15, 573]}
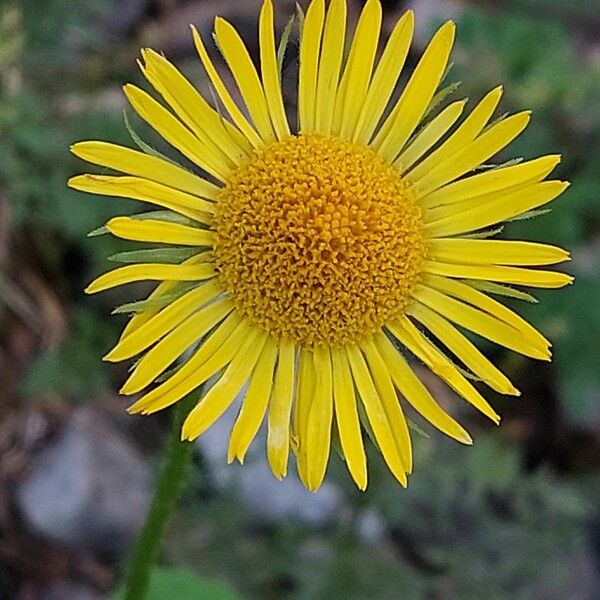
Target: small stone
{"type": "Point", "coordinates": [90, 489]}
{"type": "Point", "coordinates": [268, 500]}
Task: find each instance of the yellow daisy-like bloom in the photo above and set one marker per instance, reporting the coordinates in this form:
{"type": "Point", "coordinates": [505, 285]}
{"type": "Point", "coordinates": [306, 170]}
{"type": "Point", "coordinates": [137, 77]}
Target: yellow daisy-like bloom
{"type": "Point", "coordinates": [308, 261]}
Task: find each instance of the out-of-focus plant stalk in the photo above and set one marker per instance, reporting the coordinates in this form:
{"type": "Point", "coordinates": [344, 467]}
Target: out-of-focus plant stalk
{"type": "Point", "coordinates": [168, 490]}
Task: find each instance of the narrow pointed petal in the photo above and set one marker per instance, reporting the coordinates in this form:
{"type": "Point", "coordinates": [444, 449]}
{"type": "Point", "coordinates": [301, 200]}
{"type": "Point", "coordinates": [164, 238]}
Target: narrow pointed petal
{"type": "Point", "coordinates": [465, 133]}
{"type": "Point", "coordinates": [215, 353]}
{"type": "Point", "coordinates": [160, 232]}
{"type": "Point", "coordinates": [488, 144]}
{"type": "Point", "coordinates": [171, 347]}
{"type": "Point", "coordinates": [310, 45]}
{"type": "Point", "coordinates": [359, 67]}
{"type": "Point", "coordinates": [495, 252]}
{"type": "Point", "coordinates": [230, 106]}
{"type": "Point", "coordinates": [254, 404]}
{"type": "Point", "coordinates": [494, 180]}
{"type": "Point", "coordinates": [385, 78]}
{"type": "Point", "coordinates": [481, 323]}
{"type": "Point", "coordinates": [150, 272]}
{"type": "Point", "coordinates": [242, 68]}
{"type": "Point", "coordinates": [464, 350]}
{"type": "Point", "coordinates": [328, 74]}
{"type": "Point", "coordinates": [516, 275]}
{"type": "Point", "coordinates": [175, 133]}
{"type": "Point", "coordinates": [429, 136]}
{"type": "Point", "coordinates": [143, 165]}
{"type": "Point", "coordinates": [270, 71]}
{"type": "Point", "coordinates": [412, 339]}
{"type": "Point", "coordinates": [346, 415]}
{"type": "Point", "coordinates": [466, 293]}
{"type": "Point", "coordinates": [500, 207]}
{"type": "Point", "coordinates": [391, 405]}
{"type": "Point", "coordinates": [193, 110]}
{"type": "Point", "coordinates": [417, 95]}
{"type": "Point", "coordinates": [220, 396]}
{"type": "Point", "coordinates": [376, 414]}
{"type": "Point", "coordinates": [320, 417]}
{"type": "Point", "coordinates": [416, 394]}
{"type": "Point", "coordinates": [280, 408]}
{"type": "Point", "coordinates": [146, 191]}
{"type": "Point", "coordinates": [164, 321]}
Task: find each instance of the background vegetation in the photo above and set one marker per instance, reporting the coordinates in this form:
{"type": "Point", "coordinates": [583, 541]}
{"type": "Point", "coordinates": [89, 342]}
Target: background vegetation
{"type": "Point", "coordinates": [516, 516]}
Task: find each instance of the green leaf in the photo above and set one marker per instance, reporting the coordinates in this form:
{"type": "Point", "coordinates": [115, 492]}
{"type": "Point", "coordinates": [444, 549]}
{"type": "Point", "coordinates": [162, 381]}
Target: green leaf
{"type": "Point", "coordinates": [530, 214]}
{"type": "Point", "coordinates": [99, 231]}
{"type": "Point", "coordinates": [283, 43]}
{"type": "Point", "coordinates": [501, 290]}
{"type": "Point", "coordinates": [182, 584]}
{"type": "Point", "coordinates": [300, 14]}
{"type": "Point", "coordinates": [440, 96]}
{"type": "Point", "coordinates": [152, 303]}
{"type": "Point", "coordinates": [143, 146]}
{"type": "Point", "coordinates": [162, 255]}
{"type": "Point", "coordinates": [487, 233]}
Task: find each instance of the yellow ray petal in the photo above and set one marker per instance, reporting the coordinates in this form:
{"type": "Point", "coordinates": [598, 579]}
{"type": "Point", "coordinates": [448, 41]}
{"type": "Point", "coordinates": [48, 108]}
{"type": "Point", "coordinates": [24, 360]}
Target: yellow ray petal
{"type": "Point", "coordinates": [320, 417]}
{"type": "Point", "coordinates": [163, 288]}
{"type": "Point", "coordinates": [357, 74]}
{"type": "Point", "coordinates": [150, 272]}
{"type": "Point", "coordinates": [385, 78]}
{"type": "Point", "coordinates": [181, 117]}
{"type": "Point", "coordinates": [243, 71]}
{"type": "Point", "coordinates": [137, 320]}
{"type": "Point", "coordinates": [497, 252]}
{"type": "Point", "coordinates": [429, 136]}
{"type": "Point", "coordinates": [309, 59]}
{"type": "Point", "coordinates": [346, 415]}
{"type": "Point", "coordinates": [500, 207]}
{"type": "Point", "coordinates": [391, 405]}
{"type": "Point", "coordinates": [175, 133]}
{"type": "Point", "coordinates": [328, 75]}
{"type": "Point", "coordinates": [208, 359]}
{"type": "Point", "coordinates": [223, 392]}
{"type": "Point", "coordinates": [467, 352]}
{"type": "Point", "coordinates": [189, 105]}
{"type": "Point", "coordinates": [305, 393]}
{"type": "Point", "coordinates": [417, 395]}
{"type": "Point", "coordinates": [465, 133]}
{"type": "Point", "coordinates": [424, 350]}
{"type": "Point", "coordinates": [254, 404]}
{"type": "Point", "coordinates": [143, 165]}
{"type": "Point", "coordinates": [489, 143]}
{"type": "Point", "coordinates": [482, 323]}
{"type": "Point", "coordinates": [280, 407]}
{"type": "Point", "coordinates": [161, 232]}
{"type": "Point", "coordinates": [146, 191]}
{"type": "Point", "coordinates": [164, 321]}
{"type": "Point", "coordinates": [159, 358]}
{"type": "Point", "coordinates": [417, 95]}
{"type": "Point", "coordinates": [230, 106]}
{"type": "Point", "coordinates": [466, 293]}
{"type": "Point", "coordinates": [493, 180]}
{"type": "Point", "coordinates": [530, 277]}
{"type": "Point", "coordinates": [376, 413]}
{"type": "Point", "coordinates": [270, 71]}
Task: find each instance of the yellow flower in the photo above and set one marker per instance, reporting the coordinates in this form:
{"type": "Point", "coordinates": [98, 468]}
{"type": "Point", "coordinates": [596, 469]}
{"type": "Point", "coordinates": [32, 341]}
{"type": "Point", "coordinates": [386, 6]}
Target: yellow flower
{"type": "Point", "coordinates": [309, 260]}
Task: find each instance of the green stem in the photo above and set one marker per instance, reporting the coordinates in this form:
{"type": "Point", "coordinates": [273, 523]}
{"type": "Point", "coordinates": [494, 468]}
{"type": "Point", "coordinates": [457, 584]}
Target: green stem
{"type": "Point", "coordinates": [168, 489]}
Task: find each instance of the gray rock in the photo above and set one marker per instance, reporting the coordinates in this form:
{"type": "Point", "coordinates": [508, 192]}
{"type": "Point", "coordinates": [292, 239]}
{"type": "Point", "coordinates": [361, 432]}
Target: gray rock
{"type": "Point", "coordinates": [67, 590]}
{"type": "Point", "coordinates": [90, 489]}
{"type": "Point", "coordinates": [267, 499]}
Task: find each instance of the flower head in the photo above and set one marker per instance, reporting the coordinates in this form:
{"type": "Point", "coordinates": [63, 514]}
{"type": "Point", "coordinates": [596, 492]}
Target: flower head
{"type": "Point", "coordinates": [298, 265]}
